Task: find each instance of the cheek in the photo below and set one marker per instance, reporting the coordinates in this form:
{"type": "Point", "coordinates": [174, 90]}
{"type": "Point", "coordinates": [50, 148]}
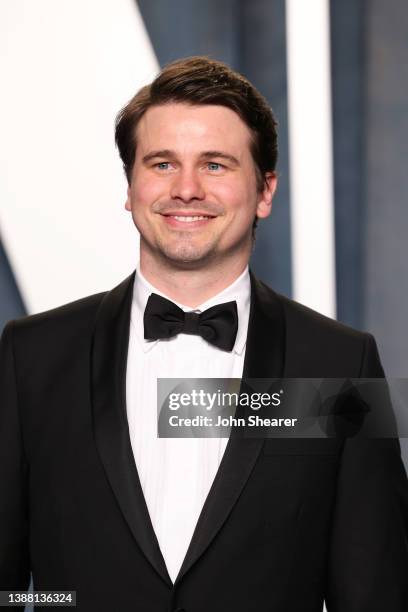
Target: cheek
{"type": "Point", "coordinates": [234, 195]}
{"type": "Point", "coordinates": [143, 194]}
{"type": "Point", "coordinates": [240, 202]}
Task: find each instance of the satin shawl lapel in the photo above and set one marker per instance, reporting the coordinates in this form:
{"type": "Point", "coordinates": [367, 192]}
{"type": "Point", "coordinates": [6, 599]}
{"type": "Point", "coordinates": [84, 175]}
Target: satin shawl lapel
{"type": "Point", "coordinates": [264, 358]}
{"type": "Point", "coordinates": [109, 358]}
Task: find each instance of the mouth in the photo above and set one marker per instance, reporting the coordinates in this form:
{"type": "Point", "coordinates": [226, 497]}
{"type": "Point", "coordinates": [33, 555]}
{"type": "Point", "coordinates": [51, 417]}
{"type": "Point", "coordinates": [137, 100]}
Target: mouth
{"type": "Point", "coordinates": [187, 221]}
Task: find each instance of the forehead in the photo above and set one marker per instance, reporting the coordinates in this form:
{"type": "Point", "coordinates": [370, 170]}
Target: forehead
{"type": "Point", "coordinates": [188, 128]}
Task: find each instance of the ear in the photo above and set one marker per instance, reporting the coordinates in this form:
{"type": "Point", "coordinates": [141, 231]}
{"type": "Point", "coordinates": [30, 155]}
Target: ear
{"type": "Point", "coordinates": [127, 203]}
{"type": "Point", "coordinates": [264, 205]}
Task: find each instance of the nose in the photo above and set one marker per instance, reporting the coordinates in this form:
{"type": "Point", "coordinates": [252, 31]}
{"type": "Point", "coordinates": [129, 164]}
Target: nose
{"type": "Point", "coordinates": [187, 186]}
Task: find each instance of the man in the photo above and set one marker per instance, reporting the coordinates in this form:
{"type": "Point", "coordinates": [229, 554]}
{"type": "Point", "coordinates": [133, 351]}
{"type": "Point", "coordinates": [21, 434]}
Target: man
{"type": "Point", "coordinates": [91, 500]}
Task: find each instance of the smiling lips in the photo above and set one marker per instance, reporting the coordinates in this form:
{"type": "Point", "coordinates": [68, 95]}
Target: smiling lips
{"type": "Point", "coordinates": [188, 219]}
{"type": "Point", "coordinates": [193, 219]}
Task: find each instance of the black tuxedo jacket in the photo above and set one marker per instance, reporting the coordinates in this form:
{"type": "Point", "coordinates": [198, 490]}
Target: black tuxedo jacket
{"type": "Point", "coordinates": [286, 524]}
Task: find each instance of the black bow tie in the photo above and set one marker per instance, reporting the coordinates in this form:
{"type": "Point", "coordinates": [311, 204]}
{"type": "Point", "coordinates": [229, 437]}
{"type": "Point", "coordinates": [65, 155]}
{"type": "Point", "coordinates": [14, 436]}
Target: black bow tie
{"type": "Point", "coordinates": [218, 325]}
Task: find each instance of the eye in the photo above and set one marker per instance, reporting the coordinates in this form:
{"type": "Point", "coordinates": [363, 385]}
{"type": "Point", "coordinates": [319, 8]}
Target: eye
{"type": "Point", "coordinates": [162, 166]}
{"type": "Point", "coordinates": [215, 166]}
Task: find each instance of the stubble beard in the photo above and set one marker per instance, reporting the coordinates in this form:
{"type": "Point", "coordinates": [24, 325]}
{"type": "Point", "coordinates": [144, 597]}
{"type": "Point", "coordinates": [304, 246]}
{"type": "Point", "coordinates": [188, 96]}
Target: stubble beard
{"type": "Point", "coordinates": [184, 254]}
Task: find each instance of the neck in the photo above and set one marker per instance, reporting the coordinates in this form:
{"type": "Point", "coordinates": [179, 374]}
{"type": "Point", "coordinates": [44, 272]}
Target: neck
{"type": "Point", "coordinates": [191, 287]}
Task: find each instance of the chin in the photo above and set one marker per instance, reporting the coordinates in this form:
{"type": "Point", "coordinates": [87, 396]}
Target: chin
{"type": "Point", "coordinates": [188, 257]}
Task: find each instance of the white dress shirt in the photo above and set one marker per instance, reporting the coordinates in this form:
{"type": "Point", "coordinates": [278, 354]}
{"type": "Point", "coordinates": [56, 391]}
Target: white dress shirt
{"type": "Point", "coordinates": [176, 474]}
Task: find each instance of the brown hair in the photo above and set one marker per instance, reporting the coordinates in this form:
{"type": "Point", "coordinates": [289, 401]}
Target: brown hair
{"type": "Point", "coordinates": [201, 80]}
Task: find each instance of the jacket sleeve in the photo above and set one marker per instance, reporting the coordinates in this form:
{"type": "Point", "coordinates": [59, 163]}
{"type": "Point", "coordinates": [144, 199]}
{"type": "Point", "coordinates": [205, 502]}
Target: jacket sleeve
{"type": "Point", "coordinates": [368, 555]}
{"type": "Point", "coordinates": [14, 552]}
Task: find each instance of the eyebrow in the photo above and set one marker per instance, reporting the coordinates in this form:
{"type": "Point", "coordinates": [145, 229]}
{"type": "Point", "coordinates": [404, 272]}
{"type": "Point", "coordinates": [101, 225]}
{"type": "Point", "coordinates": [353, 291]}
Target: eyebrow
{"type": "Point", "coordinates": [220, 154]}
{"type": "Point", "coordinates": [204, 155]}
{"type": "Point", "coordinates": [161, 153]}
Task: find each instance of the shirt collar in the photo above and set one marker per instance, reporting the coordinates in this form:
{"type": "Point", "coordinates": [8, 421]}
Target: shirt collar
{"type": "Point", "coordinates": [239, 290]}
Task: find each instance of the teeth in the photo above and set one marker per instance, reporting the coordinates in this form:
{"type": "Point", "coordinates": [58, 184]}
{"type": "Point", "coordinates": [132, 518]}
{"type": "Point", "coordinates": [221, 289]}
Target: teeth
{"type": "Point", "coordinates": [188, 219]}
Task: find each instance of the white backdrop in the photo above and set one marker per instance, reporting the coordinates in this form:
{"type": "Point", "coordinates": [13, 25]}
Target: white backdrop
{"type": "Point", "coordinates": [67, 68]}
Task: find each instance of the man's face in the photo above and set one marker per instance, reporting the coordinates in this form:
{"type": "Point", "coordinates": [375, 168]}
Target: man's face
{"type": "Point", "coordinates": [193, 192]}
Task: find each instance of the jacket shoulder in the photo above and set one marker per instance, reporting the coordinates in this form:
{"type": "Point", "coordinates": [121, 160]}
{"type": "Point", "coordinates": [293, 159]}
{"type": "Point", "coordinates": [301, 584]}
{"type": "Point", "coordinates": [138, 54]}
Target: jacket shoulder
{"type": "Point", "coordinates": [54, 332]}
{"type": "Point", "coordinates": [318, 346]}
{"type": "Point", "coordinates": [79, 312]}
{"type": "Point", "coordinates": [66, 330]}
{"type": "Point", "coordinates": [306, 320]}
